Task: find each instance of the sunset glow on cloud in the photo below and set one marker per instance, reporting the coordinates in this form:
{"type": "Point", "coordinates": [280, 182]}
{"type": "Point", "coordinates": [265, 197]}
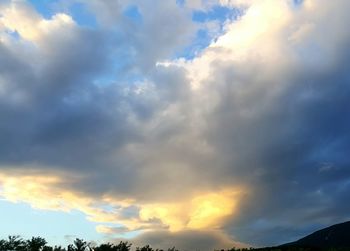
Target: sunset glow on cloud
{"type": "Point", "coordinates": [173, 122]}
{"type": "Point", "coordinates": [48, 193]}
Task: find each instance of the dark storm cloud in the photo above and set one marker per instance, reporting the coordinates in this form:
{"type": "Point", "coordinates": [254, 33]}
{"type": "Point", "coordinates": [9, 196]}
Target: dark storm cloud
{"type": "Point", "coordinates": [281, 154]}
{"type": "Point", "coordinates": [59, 102]}
{"type": "Point", "coordinates": [55, 110]}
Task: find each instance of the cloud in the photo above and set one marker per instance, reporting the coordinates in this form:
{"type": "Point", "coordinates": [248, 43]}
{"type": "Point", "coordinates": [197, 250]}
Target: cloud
{"type": "Point", "coordinates": [229, 145]}
{"type": "Point", "coordinates": [187, 240]}
{"type": "Point", "coordinates": [200, 212]}
{"type": "Point", "coordinates": [54, 192]}
{"type": "Point", "coordinates": [111, 230]}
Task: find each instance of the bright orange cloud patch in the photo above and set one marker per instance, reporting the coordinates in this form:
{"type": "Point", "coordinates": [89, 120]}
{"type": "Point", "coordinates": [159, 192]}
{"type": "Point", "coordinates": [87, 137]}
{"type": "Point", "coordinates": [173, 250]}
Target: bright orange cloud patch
{"type": "Point", "coordinates": [205, 210]}
{"type": "Point", "coordinates": [200, 212]}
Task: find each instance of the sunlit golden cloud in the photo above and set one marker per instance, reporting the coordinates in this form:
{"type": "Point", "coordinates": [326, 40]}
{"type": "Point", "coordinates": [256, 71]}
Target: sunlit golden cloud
{"type": "Point", "coordinates": [45, 192]}
{"type": "Point", "coordinates": [200, 212]}
{"type": "Point", "coordinates": [20, 17]}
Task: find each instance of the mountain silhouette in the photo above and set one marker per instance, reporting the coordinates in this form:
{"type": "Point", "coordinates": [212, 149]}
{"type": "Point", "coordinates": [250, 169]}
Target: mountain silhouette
{"type": "Point", "coordinates": [336, 236]}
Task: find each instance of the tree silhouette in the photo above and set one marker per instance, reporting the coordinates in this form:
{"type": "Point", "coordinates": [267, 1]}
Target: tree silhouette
{"type": "Point", "coordinates": [36, 244]}
{"type": "Point", "coordinates": [47, 248]}
{"type": "Point", "coordinates": [105, 247]}
{"type": "Point", "coordinates": [79, 245]}
{"type": "Point", "coordinates": [122, 246]}
{"type": "Point", "coordinates": [14, 242]}
{"type": "Point", "coordinates": [144, 248]}
{"type": "Point", "coordinates": [172, 249]}
{"type": "Point", "coordinates": [2, 245]}
{"type": "Point", "coordinates": [59, 248]}
{"type": "Point", "coordinates": [70, 247]}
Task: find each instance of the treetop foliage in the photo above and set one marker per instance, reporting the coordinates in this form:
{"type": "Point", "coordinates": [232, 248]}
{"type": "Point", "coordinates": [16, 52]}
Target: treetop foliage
{"type": "Point", "coordinates": [16, 243]}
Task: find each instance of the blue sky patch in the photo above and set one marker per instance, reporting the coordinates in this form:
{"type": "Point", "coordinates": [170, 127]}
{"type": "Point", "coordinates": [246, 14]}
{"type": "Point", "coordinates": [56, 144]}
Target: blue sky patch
{"type": "Point", "coordinates": [81, 15]}
{"type": "Point", "coordinates": [44, 7]}
{"type": "Point", "coordinates": [219, 13]}
{"type": "Point", "coordinates": [133, 13]}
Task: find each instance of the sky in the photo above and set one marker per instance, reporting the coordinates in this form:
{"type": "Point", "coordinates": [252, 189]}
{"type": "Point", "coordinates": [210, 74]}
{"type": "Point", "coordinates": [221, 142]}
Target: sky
{"type": "Point", "coordinates": [200, 124]}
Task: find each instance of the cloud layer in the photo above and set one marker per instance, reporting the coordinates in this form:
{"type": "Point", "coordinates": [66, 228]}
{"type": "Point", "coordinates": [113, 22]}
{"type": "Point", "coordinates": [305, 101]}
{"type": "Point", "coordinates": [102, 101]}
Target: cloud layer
{"type": "Point", "coordinates": [245, 142]}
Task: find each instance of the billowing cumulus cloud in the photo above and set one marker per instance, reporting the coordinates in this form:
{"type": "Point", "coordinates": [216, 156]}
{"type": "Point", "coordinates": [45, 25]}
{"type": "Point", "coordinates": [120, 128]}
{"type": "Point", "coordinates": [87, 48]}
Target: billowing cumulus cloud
{"type": "Point", "coordinates": [246, 142]}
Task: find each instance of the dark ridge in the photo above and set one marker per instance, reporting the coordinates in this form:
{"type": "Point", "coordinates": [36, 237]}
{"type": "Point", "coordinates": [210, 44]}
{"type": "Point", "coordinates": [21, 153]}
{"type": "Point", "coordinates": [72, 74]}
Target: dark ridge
{"type": "Point", "coordinates": [336, 236]}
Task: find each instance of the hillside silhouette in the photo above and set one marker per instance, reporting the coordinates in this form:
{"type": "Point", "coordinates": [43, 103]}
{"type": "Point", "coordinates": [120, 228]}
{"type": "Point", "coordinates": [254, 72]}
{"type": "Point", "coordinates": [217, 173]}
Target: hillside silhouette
{"type": "Point", "coordinates": [336, 236]}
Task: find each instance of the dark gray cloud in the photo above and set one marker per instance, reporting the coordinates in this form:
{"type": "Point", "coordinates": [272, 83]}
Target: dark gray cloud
{"type": "Point", "coordinates": [60, 110]}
